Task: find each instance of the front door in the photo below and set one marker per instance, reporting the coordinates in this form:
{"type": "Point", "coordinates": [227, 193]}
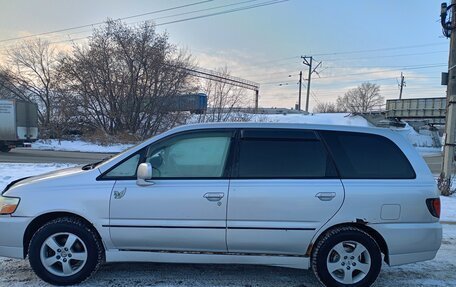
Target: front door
{"type": "Point", "coordinates": [184, 207]}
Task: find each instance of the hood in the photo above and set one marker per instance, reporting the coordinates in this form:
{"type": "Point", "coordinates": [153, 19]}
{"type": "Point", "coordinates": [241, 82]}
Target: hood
{"type": "Point", "coordinates": [53, 176]}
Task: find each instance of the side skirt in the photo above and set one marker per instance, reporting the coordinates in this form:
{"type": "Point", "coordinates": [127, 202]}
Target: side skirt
{"type": "Point", "coordinates": [206, 258]}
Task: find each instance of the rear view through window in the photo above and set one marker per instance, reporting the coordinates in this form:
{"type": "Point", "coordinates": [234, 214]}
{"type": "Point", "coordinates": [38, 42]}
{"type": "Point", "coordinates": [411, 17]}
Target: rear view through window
{"type": "Point", "coordinates": [367, 156]}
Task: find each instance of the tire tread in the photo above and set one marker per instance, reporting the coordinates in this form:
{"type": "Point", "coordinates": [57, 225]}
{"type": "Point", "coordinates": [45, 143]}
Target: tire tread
{"type": "Point", "coordinates": [79, 223]}
{"type": "Point", "coordinates": [328, 235]}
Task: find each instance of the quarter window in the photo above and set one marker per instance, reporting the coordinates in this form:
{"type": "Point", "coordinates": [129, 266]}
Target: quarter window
{"type": "Point", "coordinates": [127, 168]}
{"type": "Point", "coordinates": [367, 156]}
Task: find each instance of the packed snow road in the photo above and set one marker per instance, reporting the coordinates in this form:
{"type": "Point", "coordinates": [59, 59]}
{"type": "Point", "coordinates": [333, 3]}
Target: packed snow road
{"type": "Point", "coordinates": [437, 272]}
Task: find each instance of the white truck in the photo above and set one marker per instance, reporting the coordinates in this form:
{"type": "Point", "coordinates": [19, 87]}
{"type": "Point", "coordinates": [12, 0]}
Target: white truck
{"type": "Point", "coordinates": [18, 124]}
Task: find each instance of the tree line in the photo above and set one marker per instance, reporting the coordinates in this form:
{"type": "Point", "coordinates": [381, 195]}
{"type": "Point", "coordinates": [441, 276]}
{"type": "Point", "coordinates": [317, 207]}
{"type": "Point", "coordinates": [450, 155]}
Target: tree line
{"type": "Point", "coordinates": [364, 98]}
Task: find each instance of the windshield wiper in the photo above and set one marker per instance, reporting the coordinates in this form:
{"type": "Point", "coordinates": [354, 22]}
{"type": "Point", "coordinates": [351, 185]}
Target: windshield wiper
{"type": "Point", "coordinates": [94, 164]}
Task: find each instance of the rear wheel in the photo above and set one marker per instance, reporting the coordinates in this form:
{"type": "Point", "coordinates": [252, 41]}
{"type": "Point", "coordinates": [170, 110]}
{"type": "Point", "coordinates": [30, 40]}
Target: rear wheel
{"type": "Point", "coordinates": [347, 256]}
{"type": "Point", "coordinates": [4, 148]}
{"type": "Point", "coordinates": [65, 252]}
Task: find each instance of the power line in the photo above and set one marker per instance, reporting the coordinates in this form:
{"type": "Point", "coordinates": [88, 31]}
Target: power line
{"type": "Point", "coordinates": [170, 16]}
{"type": "Point", "coordinates": [266, 76]}
{"type": "Point", "coordinates": [366, 73]}
{"type": "Point", "coordinates": [386, 56]}
{"type": "Point", "coordinates": [100, 23]}
{"type": "Point", "coordinates": [267, 3]}
{"type": "Point", "coordinates": [381, 49]}
{"type": "Point", "coordinates": [225, 12]}
{"type": "Point", "coordinates": [381, 71]}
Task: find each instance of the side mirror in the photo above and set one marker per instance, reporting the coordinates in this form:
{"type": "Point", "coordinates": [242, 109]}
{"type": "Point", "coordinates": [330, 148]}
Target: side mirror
{"type": "Point", "coordinates": [144, 174]}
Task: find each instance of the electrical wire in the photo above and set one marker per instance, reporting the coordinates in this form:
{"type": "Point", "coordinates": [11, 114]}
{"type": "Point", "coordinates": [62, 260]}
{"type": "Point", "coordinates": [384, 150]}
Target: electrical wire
{"type": "Point", "coordinates": [101, 23]}
{"type": "Point", "coordinates": [262, 4]}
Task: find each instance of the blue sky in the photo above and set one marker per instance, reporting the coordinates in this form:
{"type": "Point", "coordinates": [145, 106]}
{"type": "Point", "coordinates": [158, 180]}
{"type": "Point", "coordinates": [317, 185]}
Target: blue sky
{"type": "Point", "coordinates": [356, 40]}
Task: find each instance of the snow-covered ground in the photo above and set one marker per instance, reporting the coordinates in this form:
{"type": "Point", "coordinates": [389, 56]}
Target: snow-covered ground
{"type": "Point", "coordinates": [13, 171]}
{"type": "Point", "coordinates": [78, 145]}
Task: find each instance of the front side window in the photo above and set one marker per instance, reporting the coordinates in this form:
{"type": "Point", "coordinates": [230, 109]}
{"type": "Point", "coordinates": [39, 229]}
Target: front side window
{"type": "Point", "coordinates": [194, 155]}
{"type": "Point", "coordinates": [281, 154]}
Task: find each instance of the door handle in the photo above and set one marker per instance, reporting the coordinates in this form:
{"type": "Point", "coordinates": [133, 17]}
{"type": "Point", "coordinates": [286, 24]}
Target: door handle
{"type": "Point", "coordinates": [214, 196]}
{"type": "Point", "coordinates": [325, 196]}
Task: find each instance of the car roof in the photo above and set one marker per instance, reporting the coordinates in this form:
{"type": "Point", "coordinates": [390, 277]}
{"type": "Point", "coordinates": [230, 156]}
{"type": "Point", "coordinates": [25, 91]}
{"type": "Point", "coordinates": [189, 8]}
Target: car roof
{"type": "Point", "coordinates": [239, 125]}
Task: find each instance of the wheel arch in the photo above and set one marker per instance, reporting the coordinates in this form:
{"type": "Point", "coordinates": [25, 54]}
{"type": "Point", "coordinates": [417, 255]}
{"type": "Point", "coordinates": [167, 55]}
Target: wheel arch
{"type": "Point", "coordinates": [40, 220]}
{"type": "Point", "coordinates": [362, 226]}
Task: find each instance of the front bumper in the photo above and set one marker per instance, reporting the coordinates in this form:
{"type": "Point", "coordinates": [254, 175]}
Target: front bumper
{"type": "Point", "coordinates": [410, 242]}
{"type": "Point", "coordinates": [12, 231]}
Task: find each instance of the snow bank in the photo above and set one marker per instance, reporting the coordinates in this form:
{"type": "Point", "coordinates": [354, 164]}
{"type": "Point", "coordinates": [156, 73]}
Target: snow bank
{"type": "Point", "coordinates": [429, 151]}
{"type": "Point", "coordinates": [78, 145]}
{"type": "Point", "coordinates": [448, 208]}
{"type": "Point", "coordinates": [417, 139]}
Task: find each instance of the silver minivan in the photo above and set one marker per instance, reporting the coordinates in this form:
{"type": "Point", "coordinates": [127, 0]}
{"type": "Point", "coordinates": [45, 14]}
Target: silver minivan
{"type": "Point", "coordinates": [339, 200]}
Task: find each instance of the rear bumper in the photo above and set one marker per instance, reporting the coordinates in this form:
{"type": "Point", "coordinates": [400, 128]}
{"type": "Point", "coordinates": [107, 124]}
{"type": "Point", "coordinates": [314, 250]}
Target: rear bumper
{"type": "Point", "coordinates": [12, 231]}
{"type": "Point", "coordinates": [410, 242]}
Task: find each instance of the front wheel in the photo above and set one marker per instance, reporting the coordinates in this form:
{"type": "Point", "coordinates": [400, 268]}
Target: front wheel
{"type": "Point", "coordinates": [347, 256]}
{"type": "Point", "coordinates": [65, 251]}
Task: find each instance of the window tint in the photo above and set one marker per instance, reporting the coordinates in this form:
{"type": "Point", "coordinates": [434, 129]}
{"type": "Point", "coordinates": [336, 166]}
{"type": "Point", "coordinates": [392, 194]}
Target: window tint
{"type": "Point", "coordinates": [126, 169]}
{"type": "Point", "coordinates": [192, 155]}
{"type": "Point", "coordinates": [298, 156]}
{"type": "Point", "coordinates": [363, 156]}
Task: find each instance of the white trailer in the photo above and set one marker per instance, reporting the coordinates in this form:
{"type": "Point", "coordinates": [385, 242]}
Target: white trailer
{"type": "Point", "coordinates": [18, 124]}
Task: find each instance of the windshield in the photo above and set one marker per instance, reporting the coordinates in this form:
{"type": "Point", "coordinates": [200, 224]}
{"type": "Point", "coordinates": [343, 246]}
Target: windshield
{"type": "Point", "coordinates": [112, 157]}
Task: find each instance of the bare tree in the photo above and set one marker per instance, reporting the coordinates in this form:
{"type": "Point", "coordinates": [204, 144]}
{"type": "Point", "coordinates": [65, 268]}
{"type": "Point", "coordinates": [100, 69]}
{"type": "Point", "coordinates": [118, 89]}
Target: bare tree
{"type": "Point", "coordinates": [363, 98]}
{"type": "Point", "coordinates": [125, 79]}
{"type": "Point", "coordinates": [224, 101]}
{"type": "Point", "coordinates": [31, 74]}
{"type": "Point", "coordinates": [325, 107]}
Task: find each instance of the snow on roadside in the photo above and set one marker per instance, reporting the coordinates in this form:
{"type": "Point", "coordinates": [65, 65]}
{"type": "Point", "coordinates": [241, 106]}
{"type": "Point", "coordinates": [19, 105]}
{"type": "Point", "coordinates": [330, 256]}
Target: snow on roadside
{"type": "Point", "coordinates": [448, 213]}
{"type": "Point", "coordinates": [78, 145]}
{"type": "Point", "coordinates": [417, 139]}
{"type": "Point", "coordinates": [13, 171]}
{"type": "Point", "coordinates": [429, 151]}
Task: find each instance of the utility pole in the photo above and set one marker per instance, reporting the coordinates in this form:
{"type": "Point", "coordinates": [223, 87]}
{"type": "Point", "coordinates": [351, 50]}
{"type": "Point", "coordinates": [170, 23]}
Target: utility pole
{"type": "Point", "coordinates": [256, 100]}
{"type": "Point", "coordinates": [300, 87]}
{"type": "Point", "coordinates": [401, 85]}
{"type": "Point", "coordinates": [308, 61]}
{"type": "Point", "coordinates": [450, 124]}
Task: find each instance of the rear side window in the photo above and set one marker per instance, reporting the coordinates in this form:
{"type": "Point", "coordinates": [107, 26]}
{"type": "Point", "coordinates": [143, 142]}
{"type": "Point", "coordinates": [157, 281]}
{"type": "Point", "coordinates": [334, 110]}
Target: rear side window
{"type": "Point", "coordinates": [367, 156]}
{"type": "Point", "coordinates": [282, 154]}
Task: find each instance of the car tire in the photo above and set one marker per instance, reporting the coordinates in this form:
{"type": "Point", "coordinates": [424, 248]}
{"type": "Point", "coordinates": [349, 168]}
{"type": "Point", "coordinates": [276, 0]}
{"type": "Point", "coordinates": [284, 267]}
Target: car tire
{"type": "Point", "coordinates": [347, 256]}
{"type": "Point", "coordinates": [4, 149]}
{"type": "Point", "coordinates": [65, 251]}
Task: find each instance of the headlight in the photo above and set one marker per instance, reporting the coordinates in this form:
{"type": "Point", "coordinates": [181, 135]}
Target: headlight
{"type": "Point", "coordinates": [8, 205]}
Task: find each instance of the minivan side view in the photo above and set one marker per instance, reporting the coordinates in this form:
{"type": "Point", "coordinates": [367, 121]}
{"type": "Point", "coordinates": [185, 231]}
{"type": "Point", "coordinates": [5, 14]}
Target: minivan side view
{"type": "Point", "coordinates": [339, 200]}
